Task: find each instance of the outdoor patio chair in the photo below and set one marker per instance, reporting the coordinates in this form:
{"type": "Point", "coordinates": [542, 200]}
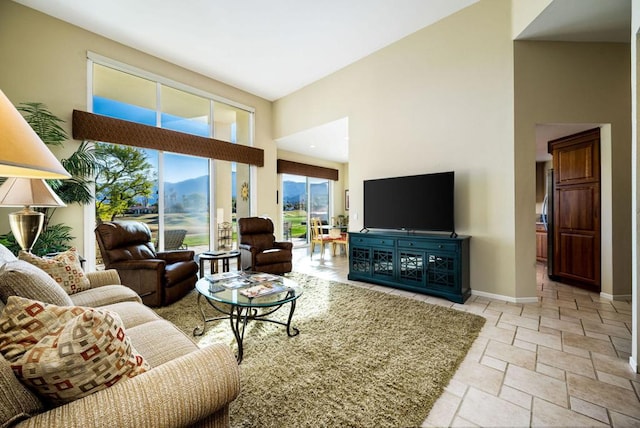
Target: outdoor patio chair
{"type": "Point", "coordinates": [174, 240]}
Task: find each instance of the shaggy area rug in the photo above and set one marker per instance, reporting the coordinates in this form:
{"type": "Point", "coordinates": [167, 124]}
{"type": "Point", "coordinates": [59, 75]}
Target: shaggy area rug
{"type": "Point", "coordinates": [362, 359]}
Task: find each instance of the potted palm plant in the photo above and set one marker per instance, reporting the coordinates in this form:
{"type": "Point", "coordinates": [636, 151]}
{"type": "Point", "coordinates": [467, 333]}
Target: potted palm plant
{"type": "Point", "coordinates": [77, 189]}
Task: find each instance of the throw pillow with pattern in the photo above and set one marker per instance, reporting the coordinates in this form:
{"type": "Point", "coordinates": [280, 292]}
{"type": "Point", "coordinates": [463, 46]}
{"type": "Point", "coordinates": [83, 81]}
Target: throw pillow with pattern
{"type": "Point", "coordinates": [69, 352]}
{"type": "Point", "coordinates": [64, 268]}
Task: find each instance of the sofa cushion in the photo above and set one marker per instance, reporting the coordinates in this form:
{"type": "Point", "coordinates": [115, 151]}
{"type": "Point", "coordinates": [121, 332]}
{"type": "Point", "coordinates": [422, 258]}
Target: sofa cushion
{"type": "Point", "coordinates": [19, 278]}
{"type": "Point", "coordinates": [160, 341]}
{"type": "Point", "coordinates": [17, 402]}
{"type": "Point", "coordinates": [132, 315]}
{"type": "Point", "coordinates": [71, 358]}
{"type": "Point", "coordinates": [105, 295]}
{"type": "Point", "coordinates": [64, 268]}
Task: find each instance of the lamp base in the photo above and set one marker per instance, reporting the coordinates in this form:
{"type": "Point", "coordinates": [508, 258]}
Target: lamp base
{"type": "Point", "coordinates": [26, 226]}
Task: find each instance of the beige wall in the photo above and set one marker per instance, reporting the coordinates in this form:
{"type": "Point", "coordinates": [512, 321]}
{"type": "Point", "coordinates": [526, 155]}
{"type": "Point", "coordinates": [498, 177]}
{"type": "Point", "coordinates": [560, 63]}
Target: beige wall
{"type": "Point", "coordinates": [44, 59]}
{"type": "Point", "coordinates": [578, 83]}
{"type": "Point", "coordinates": [440, 99]}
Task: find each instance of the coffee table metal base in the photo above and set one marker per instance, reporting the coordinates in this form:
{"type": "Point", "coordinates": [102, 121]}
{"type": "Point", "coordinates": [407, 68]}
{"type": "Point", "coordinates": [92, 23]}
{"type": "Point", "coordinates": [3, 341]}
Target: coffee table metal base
{"type": "Point", "coordinates": [239, 316]}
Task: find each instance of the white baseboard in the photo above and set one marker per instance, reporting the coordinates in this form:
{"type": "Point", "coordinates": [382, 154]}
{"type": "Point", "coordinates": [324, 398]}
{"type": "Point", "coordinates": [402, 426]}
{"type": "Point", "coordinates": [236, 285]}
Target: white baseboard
{"type": "Point", "coordinates": [634, 364]}
{"type": "Point", "coordinates": [621, 297]}
{"type": "Point", "coordinates": [504, 298]}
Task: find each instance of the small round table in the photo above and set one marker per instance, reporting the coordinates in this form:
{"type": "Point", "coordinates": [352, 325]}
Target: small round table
{"type": "Point", "coordinates": [243, 309]}
{"type": "Point", "coordinates": [213, 259]}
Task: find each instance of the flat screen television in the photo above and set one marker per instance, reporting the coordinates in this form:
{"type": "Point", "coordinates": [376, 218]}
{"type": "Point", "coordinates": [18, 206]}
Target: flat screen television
{"type": "Point", "coordinates": [417, 202]}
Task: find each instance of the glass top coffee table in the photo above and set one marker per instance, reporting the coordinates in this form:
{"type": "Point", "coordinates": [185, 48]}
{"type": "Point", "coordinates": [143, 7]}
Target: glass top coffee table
{"type": "Point", "coordinates": [244, 297]}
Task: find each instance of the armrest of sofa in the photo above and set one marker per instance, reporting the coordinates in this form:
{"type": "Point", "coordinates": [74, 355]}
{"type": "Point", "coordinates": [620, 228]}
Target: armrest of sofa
{"type": "Point", "coordinates": [103, 277]}
{"type": "Point", "coordinates": [177, 393]}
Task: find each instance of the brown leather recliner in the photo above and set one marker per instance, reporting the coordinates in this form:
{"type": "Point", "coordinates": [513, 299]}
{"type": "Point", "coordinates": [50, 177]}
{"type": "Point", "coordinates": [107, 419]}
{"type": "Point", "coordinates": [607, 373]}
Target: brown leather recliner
{"type": "Point", "coordinates": [160, 278]}
{"type": "Point", "coordinates": [259, 249]}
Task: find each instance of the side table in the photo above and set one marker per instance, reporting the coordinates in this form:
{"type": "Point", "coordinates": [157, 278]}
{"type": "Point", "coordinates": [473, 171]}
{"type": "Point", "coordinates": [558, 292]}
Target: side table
{"type": "Point", "coordinates": [213, 259]}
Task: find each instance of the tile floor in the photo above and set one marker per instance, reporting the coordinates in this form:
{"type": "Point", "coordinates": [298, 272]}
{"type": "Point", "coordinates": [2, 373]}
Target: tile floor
{"type": "Point", "coordinates": [560, 362]}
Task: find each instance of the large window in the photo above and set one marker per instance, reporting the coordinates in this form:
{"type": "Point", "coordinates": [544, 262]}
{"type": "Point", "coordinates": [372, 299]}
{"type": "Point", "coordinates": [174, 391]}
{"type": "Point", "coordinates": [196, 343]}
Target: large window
{"type": "Point", "coordinates": [179, 196]}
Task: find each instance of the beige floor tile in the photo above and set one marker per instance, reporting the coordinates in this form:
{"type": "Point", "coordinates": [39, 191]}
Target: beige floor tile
{"type": "Point", "coordinates": [613, 397]}
{"type": "Point", "coordinates": [619, 420]}
{"type": "Point", "coordinates": [537, 384]}
{"type": "Point", "coordinates": [509, 308]}
{"type": "Point", "coordinates": [550, 415]}
{"type": "Point", "coordinates": [479, 376]}
{"type": "Point", "coordinates": [525, 345]}
{"type": "Point", "coordinates": [444, 410]}
{"type": "Point", "coordinates": [489, 411]}
{"type": "Point", "coordinates": [574, 326]}
{"type": "Point", "coordinates": [616, 366]}
{"type": "Point", "coordinates": [548, 340]}
{"type": "Point", "coordinates": [494, 363]}
{"type": "Point", "coordinates": [615, 316]}
{"type": "Point", "coordinates": [520, 321]}
{"type": "Point", "coordinates": [531, 311]}
{"type": "Point", "coordinates": [551, 371]}
{"type": "Point", "coordinates": [565, 361]}
{"type": "Point", "coordinates": [506, 326]}
{"type": "Point", "coordinates": [588, 343]}
{"type": "Point", "coordinates": [591, 410]}
{"type": "Point", "coordinates": [584, 314]}
{"type": "Point", "coordinates": [579, 352]}
{"type": "Point", "coordinates": [459, 422]}
{"type": "Point", "coordinates": [609, 330]}
{"type": "Point", "coordinates": [456, 388]}
{"type": "Point", "coordinates": [614, 380]}
{"type": "Point", "coordinates": [514, 396]}
{"type": "Point", "coordinates": [511, 354]}
{"type": "Point", "coordinates": [497, 333]}
{"type": "Point", "coordinates": [559, 303]}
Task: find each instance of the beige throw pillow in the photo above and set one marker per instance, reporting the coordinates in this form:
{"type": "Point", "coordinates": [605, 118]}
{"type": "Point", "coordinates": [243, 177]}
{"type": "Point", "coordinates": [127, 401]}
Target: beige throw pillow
{"type": "Point", "coordinates": [64, 268]}
{"type": "Point", "coordinates": [65, 353]}
{"type": "Point", "coordinates": [19, 278]}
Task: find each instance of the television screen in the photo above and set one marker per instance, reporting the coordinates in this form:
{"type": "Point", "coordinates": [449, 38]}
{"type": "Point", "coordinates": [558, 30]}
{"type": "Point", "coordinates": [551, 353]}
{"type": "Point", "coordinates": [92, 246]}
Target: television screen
{"type": "Point", "coordinates": [417, 202]}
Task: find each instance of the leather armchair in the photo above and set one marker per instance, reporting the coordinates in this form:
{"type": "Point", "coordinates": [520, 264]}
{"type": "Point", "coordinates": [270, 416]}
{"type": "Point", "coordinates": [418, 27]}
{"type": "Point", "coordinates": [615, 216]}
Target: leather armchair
{"type": "Point", "coordinates": [160, 278]}
{"type": "Point", "coordinates": [259, 250]}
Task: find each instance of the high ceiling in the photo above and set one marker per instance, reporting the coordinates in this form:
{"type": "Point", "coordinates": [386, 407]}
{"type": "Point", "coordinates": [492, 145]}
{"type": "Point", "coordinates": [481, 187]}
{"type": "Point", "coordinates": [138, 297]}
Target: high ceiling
{"type": "Point", "coordinates": [268, 48]}
{"type": "Point", "coordinates": [272, 48]}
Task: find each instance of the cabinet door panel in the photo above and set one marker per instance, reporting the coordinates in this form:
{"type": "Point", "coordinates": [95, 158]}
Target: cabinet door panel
{"type": "Point", "coordinates": [441, 270]}
{"type": "Point", "coordinates": [411, 266]}
{"type": "Point", "coordinates": [382, 262]}
{"type": "Point", "coordinates": [577, 248]}
{"type": "Point", "coordinates": [360, 260]}
{"type": "Point", "coordinates": [578, 207]}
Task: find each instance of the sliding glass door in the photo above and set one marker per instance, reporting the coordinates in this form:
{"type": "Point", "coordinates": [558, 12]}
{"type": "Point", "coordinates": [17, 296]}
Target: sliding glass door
{"type": "Point", "coordinates": [303, 198]}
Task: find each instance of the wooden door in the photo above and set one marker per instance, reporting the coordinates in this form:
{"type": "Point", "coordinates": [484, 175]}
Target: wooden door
{"type": "Point", "coordinates": [576, 216]}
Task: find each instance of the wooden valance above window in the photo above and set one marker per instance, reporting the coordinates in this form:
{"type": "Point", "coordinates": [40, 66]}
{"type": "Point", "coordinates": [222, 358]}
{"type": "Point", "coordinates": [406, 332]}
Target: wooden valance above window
{"type": "Point", "coordinates": [296, 168]}
{"type": "Point", "coordinates": [95, 127]}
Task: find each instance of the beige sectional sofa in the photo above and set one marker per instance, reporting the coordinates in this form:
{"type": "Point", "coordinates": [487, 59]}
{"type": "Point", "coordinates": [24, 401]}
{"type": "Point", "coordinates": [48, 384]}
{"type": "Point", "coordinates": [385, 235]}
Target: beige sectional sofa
{"type": "Point", "coordinates": [186, 386]}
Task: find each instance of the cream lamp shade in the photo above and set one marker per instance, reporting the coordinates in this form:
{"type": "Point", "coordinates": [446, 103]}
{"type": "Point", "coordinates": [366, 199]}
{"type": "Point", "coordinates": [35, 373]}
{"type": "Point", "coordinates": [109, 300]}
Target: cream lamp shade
{"type": "Point", "coordinates": [26, 224]}
{"type": "Point", "coordinates": [22, 152]}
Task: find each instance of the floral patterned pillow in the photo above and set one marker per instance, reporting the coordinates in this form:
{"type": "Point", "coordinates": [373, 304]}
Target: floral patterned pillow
{"type": "Point", "coordinates": [64, 268]}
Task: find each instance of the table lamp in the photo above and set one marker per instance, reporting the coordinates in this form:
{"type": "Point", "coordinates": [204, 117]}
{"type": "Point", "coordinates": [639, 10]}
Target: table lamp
{"type": "Point", "coordinates": [23, 154]}
{"type": "Point", "coordinates": [26, 224]}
